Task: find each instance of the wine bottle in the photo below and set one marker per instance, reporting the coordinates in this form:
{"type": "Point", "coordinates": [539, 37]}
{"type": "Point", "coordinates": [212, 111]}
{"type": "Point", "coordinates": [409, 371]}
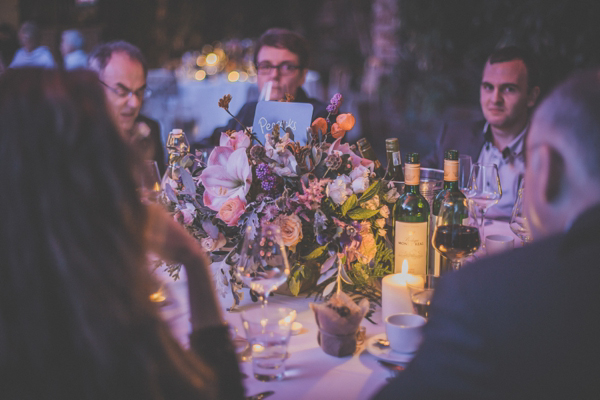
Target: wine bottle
{"type": "Point", "coordinates": [452, 193]}
{"type": "Point", "coordinates": [394, 160]}
{"type": "Point", "coordinates": [366, 151]}
{"type": "Point", "coordinates": [411, 222]}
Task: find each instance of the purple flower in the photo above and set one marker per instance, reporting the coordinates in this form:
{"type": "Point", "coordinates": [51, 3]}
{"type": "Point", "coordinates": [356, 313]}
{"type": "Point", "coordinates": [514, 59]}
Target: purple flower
{"type": "Point", "coordinates": [268, 181]}
{"type": "Point", "coordinates": [335, 104]}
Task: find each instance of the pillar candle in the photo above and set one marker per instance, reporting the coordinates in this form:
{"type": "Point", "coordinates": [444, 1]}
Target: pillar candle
{"type": "Point", "coordinates": [395, 296]}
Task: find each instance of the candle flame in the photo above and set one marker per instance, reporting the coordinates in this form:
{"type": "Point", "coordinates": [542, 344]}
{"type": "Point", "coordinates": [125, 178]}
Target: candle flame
{"type": "Point", "coordinates": [405, 267]}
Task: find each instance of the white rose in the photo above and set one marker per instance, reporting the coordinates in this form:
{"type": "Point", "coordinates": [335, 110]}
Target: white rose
{"type": "Point", "coordinates": [338, 189]}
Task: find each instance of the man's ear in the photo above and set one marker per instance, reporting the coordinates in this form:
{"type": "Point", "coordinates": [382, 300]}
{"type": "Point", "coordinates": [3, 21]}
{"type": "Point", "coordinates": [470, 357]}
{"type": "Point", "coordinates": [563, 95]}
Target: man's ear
{"type": "Point", "coordinates": [533, 96]}
{"type": "Point", "coordinates": [556, 175]}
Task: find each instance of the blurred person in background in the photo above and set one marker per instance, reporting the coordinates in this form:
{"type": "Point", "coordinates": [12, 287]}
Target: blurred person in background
{"type": "Point", "coordinates": [122, 70]}
{"type": "Point", "coordinates": [32, 54]}
{"type": "Point", "coordinates": [76, 321]}
{"type": "Point", "coordinates": [71, 48]}
{"type": "Point", "coordinates": [508, 92]}
{"type": "Point", "coordinates": [281, 58]}
{"type": "Point", "coordinates": [520, 325]}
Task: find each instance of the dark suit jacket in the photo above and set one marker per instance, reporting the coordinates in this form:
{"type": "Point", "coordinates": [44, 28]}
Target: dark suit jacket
{"type": "Point", "coordinates": [465, 136]}
{"type": "Point", "coordinates": [151, 147]}
{"type": "Point", "coordinates": [520, 325]}
{"type": "Point", "coordinates": [246, 115]}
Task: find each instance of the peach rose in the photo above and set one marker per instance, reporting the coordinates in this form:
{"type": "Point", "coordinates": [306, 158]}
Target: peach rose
{"type": "Point", "coordinates": [209, 244]}
{"type": "Point", "coordinates": [291, 230]}
{"type": "Point", "coordinates": [319, 124]}
{"type": "Point", "coordinates": [346, 121]}
{"type": "Point", "coordinates": [367, 249]}
{"type": "Point", "coordinates": [231, 211]}
{"type": "Point", "coordinates": [336, 131]}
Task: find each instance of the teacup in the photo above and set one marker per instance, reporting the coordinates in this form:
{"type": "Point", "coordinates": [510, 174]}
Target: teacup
{"type": "Point", "coordinates": [404, 331]}
{"type": "Point", "coordinates": [495, 244]}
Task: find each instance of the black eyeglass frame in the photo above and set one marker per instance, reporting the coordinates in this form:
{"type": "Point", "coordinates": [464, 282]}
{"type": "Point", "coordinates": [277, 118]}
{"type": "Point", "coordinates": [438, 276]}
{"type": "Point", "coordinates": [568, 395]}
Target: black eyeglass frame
{"type": "Point", "coordinates": [125, 92]}
{"type": "Point", "coordinates": [285, 68]}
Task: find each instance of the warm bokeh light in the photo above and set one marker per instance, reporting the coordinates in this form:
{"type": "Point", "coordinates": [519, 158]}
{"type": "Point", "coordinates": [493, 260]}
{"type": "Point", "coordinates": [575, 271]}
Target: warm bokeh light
{"type": "Point", "coordinates": [207, 48]}
{"type": "Point", "coordinates": [233, 76]}
{"type": "Point", "coordinates": [211, 59]}
{"type": "Point", "coordinates": [201, 61]}
{"type": "Point", "coordinates": [243, 76]}
{"type": "Point", "coordinates": [211, 70]}
{"type": "Point", "coordinates": [200, 75]}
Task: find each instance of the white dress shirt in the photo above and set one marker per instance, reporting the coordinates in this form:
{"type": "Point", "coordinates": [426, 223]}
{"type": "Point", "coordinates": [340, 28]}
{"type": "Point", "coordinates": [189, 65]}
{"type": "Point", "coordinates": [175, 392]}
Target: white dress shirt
{"type": "Point", "coordinates": [511, 168]}
{"type": "Point", "coordinates": [39, 57]}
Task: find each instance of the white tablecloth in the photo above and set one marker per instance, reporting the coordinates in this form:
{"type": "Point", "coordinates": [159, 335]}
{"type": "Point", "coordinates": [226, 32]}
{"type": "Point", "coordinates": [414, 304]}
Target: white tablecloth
{"type": "Point", "coordinates": [310, 373]}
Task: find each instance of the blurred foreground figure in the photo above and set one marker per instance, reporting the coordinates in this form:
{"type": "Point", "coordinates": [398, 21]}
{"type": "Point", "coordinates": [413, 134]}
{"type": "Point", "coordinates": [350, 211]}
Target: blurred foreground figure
{"type": "Point", "coordinates": [32, 54]}
{"type": "Point", "coordinates": [523, 325]}
{"type": "Point", "coordinates": [71, 48]}
{"type": "Point", "coordinates": [509, 90]}
{"type": "Point", "coordinates": [76, 321]}
{"type": "Point", "coordinates": [281, 58]}
{"type": "Point", "coordinates": [122, 69]}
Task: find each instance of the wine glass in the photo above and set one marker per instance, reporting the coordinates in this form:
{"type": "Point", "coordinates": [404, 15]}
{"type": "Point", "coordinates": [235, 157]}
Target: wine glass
{"type": "Point", "coordinates": [263, 264]}
{"type": "Point", "coordinates": [518, 220]}
{"type": "Point", "coordinates": [453, 237]}
{"type": "Point", "coordinates": [149, 182]}
{"type": "Point", "coordinates": [483, 190]}
{"type": "Point", "coordinates": [464, 171]}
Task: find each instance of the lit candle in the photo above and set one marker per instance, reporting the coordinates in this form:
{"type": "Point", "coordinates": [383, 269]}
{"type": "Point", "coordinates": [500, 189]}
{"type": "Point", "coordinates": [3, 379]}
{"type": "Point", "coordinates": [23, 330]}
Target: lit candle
{"type": "Point", "coordinates": [395, 297]}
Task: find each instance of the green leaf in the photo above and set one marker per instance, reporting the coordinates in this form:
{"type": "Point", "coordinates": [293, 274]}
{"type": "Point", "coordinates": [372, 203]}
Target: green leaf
{"type": "Point", "coordinates": [316, 253]}
{"type": "Point", "coordinates": [349, 204]}
{"type": "Point", "coordinates": [362, 213]}
{"type": "Point", "coordinates": [370, 192]}
{"type": "Point", "coordinates": [294, 285]}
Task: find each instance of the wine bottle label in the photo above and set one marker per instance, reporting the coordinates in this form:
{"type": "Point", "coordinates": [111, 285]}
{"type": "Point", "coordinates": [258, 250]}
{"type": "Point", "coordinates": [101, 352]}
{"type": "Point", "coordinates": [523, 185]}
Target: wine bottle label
{"type": "Point", "coordinates": [412, 174]}
{"type": "Point", "coordinates": [411, 244]}
{"type": "Point", "coordinates": [451, 170]}
{"type": "Point", "coordinates": [396, 158]}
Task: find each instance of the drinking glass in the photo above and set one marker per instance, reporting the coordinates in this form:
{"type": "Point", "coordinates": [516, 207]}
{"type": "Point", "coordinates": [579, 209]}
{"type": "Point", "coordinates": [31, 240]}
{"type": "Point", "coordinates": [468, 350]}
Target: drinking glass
{"type": "Point", "coordinates": [518, 220]}
{"type": "Point", "coordinates": [453, 237]}
{"type": "Point", "coordinates": [483, 190]}
{"type": "Point", "coordinates": [421, 296]}
{"type": "Point", "coordinates": [150, 182]}
{"type": "Point", "coordinates": [268, 331]}
{"type": "Point", "coordinates": [263, 264]}
{"type": "Point", "coordinates": [464, 171]}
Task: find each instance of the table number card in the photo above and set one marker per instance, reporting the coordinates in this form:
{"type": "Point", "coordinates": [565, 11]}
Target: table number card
{"type": "Point", "coordinates": [296, 116]}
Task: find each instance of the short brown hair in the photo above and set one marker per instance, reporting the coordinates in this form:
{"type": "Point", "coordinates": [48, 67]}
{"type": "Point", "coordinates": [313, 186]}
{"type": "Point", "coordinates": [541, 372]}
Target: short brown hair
{"type": "Point", "coordinates": [284, 39]}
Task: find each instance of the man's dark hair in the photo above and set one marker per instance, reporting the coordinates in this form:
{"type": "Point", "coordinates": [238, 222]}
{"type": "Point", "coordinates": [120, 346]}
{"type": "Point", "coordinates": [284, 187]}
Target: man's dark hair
{"type": "Point", "coordinates": [511, 53]}
{"type": "Point", "coordinates": [284, 39]}
{"type": "Point", "coordinates": [101, 55]}
{"type": "Point", "coordinates": [572, 109]}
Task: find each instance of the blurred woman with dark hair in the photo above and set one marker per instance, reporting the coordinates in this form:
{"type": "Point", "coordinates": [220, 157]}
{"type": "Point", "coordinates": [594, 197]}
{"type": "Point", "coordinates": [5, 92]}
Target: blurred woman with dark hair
{"type": "Point", "coordinates": [75, 317]}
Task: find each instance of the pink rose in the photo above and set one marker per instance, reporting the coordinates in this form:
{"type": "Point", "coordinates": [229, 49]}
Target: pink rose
{"type": "Point", "coordinates": [231, 211]}
{"type": "Point", "coordinates": [291, 230]}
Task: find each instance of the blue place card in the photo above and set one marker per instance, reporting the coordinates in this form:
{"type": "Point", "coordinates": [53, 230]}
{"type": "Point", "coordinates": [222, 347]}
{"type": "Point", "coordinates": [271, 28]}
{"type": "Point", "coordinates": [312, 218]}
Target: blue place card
{"type": "Point", "coordinates": [296, 116]}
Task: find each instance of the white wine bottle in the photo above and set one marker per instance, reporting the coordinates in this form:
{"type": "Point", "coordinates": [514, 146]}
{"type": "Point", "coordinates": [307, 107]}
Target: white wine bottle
{"type": "Point", "coordinates": [411, 222]}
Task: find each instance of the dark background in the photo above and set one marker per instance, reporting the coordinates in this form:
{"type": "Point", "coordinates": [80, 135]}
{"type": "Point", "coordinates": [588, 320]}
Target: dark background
{"type": "Point", "coordinates": [407, 64]}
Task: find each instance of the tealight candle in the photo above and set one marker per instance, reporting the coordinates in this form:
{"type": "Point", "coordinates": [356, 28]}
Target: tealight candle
{"type": "Point", "coordinates": [395, 297]}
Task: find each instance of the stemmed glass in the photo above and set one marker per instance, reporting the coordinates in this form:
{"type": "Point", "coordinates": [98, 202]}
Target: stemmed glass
{"type": "Point", "coordinates": [483, 191]}
{"type": "Point", "coordinates": [453, 237]}
{"type": "Point", "coordinates": [149, 182]}
{"type": "Point", "coordinates": [464, 171]}
{"type": "Point", "coordinates": [263, 264]}
{"type": "Point", "coordinates": [518, 220]}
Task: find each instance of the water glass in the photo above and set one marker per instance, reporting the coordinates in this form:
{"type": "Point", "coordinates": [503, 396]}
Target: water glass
{"type": "Point", "coordinates": [518, 220]}
{"type": "Point", "coordinates": [464, 171]}
{"type": "Point", "coordinates": [268, 330]}
{"type": "Point", "coordinates": [421, 295]}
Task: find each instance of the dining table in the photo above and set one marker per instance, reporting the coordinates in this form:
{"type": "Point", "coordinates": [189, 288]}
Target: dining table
{"type": "Point", "coordinates": [309, 372]}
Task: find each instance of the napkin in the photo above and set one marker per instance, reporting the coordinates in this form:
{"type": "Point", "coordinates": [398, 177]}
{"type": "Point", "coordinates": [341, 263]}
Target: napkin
{"type": "Point", "coordinates": [339, 320]}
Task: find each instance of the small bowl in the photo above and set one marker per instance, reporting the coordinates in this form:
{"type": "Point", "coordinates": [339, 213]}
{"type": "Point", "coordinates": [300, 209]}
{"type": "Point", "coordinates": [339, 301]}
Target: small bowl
{"type": "Point", "coordinates": [404, 331]}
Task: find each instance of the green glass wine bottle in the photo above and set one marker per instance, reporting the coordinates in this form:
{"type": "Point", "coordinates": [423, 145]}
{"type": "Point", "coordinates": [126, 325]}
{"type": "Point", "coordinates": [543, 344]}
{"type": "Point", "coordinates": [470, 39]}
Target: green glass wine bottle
{"type": "Point", "coordinates": [394, 160]}
{"type": "Point", "coordinates": [411, 222]}
{"type": "Point", "coordinates": [366, 151]}
{"type": "Point", "coordinates": [451, 192]}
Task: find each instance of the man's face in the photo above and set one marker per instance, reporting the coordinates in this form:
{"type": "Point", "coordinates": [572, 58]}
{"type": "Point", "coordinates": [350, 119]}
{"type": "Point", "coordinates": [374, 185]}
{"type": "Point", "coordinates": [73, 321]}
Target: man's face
{"type": "Point", "coordinates": [287, 78]}
{"type": "Point", "coordinates": [123, 75]}
{"type": "Point", "coordinates": [504, 94]}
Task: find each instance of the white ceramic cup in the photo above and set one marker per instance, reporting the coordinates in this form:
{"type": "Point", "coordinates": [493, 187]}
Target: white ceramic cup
{"type": "Point", "coordinates": [404, 331]}
{"type": "Point", "coordinates": [495, 244]}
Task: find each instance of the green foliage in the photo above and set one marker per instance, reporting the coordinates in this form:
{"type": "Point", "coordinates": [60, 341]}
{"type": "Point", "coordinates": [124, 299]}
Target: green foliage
{"type": "Point", "coordinates": [362, 213]}
{"type": "Point", "coordinates": [373, 190]}
{"type": "Point", "coordinates": [349, 204]}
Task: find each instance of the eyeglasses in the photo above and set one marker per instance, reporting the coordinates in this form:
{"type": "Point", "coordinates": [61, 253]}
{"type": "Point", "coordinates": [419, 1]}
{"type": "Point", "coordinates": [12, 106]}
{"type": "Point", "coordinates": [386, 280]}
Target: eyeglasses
{"type": "Point", "coordinates": [124, 92]}
{"type": "Point", "coordinates": [285, 68]}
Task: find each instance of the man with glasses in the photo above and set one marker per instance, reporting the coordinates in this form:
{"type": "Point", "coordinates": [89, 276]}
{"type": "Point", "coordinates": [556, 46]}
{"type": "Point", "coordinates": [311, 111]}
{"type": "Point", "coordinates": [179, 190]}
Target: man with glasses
{"type": "Point", "coordinates": [122, 70]}
{"type": "Point", "coordinates": [281, 59]}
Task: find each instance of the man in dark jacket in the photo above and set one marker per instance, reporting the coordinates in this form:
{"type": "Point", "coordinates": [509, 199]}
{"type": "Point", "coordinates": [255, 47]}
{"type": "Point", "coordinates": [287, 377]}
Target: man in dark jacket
{"type": "Point", "coordinates": [281, 59]}
{"type": "Point", "coordinates": [523, 325]}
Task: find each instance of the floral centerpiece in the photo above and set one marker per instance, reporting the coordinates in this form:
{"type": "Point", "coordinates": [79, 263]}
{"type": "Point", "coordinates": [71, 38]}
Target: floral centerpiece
{"type": "Point", "coordinates": [332, 210]}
